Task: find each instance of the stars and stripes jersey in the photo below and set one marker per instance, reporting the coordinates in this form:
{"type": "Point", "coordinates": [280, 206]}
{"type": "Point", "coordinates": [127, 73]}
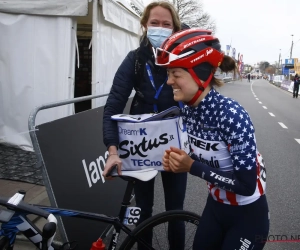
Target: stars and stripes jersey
{"type": "Point", "coordinates": [223, 145]}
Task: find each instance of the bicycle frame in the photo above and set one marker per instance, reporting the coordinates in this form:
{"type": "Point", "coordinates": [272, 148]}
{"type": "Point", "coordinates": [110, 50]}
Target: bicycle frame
{"type": "Point", "coordinates": [20, 223]}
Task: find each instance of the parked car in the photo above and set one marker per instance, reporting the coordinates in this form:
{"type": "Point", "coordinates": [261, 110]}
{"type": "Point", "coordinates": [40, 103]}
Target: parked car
{"type": "Point", "coordinates": [227, 79]}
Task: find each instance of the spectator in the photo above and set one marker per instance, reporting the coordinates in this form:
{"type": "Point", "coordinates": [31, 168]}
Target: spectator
{"type": "Point", "coordinates": [138, 71]}
{"type": "Point", "coordinates": [296, 86]}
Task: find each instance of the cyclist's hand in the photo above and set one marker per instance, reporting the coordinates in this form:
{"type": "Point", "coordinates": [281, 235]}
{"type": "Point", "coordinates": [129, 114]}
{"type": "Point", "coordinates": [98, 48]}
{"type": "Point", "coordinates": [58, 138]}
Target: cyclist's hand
{"type": "Point", "coordinates": [112, 161]}
{"type": "Point", "coordinates": [179, 161]}
{"type": "Point", "coordinates": [165, 160]}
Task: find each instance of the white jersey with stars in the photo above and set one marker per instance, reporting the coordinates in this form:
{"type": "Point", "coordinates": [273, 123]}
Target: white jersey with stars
{"type": "Point", "coordinates": [222, 137]}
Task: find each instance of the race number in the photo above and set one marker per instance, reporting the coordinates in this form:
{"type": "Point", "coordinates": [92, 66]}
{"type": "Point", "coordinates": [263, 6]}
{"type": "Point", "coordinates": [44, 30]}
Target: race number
{"type": "Point", "coordinates": [132, 215]}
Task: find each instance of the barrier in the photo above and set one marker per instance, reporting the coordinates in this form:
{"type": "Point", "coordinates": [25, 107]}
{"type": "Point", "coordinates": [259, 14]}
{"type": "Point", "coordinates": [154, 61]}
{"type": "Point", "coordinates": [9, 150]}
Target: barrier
{"type": "Point", "coordinates": [287, 85]}
{"type": "Point", "coordinates": [72, 156]}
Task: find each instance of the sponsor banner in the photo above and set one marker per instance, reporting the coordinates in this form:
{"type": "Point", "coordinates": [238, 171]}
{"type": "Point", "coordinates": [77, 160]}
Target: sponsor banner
{"type": "Point", "coordinates": [74, 157]}
{"type": "Point", "coordinates": [242, 67]}
{"type": "Point", "coordinates": [289, 63]}
{"type": "Point", "coordinates": [233, 53]}
{"type": "Point", "coordinates": [241, 57]}
{"type": "Point", "coordinates": [291, 87]}
{"type": "Point", "coordinates": [285, 71]}
{"type": "Point", "coordinates": [143, 140]}
{"type": "Point", "coordinates": [287, 85]}
{"type": "Point", "coordinates": [227, 50]}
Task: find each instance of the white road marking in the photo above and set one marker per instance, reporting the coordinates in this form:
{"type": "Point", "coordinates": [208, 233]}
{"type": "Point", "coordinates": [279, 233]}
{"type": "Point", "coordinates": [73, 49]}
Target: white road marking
{"type": "Point", "coordinates": [265, 107]}
{"type": "Point", "coordinates": [271, 114]}
{"type": "Point", "coordinates": [260, 102]}
{"type": "Point", "coordinates": [298, 140]}
{"type": "Point", "coordinates": [282, 125]}
{"type": "Point", "coordinates": [257, 99]}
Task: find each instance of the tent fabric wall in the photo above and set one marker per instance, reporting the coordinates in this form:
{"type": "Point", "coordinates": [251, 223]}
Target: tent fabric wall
{"type": "Point", "coordinates": [37, 58]}
{"type": "Point", "coordinates": [114, 41]}
{"type": "Point", "coordinates": [45, 7]}
{"type": "Point", "coordinates": [117, 15]}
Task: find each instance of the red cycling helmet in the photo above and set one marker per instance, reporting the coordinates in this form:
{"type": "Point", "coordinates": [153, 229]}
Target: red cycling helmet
{"type": "Point", "coordinates": [188, 49]}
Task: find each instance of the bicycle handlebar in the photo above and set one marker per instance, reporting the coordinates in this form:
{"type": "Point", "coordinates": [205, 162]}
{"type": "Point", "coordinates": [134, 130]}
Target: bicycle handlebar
{"type": "Point", "coordinates": [16, 203]}
{"type": "Point", "coordinates": [19, 205]}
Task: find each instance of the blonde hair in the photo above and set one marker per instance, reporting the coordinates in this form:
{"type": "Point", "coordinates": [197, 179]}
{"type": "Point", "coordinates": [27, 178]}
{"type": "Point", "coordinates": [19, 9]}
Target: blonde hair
{"type": "Point", "coordinates": [163, 4]}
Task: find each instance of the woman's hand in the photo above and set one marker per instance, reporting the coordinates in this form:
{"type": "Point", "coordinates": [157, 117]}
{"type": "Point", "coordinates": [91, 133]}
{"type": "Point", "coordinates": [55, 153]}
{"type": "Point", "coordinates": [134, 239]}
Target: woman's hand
{"type": "Point", "coordinates": [112, 161]}
{"type": "Point", "coordinates": [165, 161]}
{"type": "Point", "coordinates": [177, 160]}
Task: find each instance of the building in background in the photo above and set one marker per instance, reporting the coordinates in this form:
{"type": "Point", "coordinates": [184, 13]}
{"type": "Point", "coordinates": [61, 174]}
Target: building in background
{"type": "Point", "coordinates": [296, 66]}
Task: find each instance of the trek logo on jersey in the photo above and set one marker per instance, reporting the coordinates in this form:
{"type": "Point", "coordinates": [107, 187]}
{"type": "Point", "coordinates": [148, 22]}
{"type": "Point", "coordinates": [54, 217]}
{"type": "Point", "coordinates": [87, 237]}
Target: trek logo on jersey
{"type": "Point", "coordinates": [203, 144]}
{"type": "Point", "coordinates": [245, 244]}
{"type": "Point", "coordinates": [222, 178]}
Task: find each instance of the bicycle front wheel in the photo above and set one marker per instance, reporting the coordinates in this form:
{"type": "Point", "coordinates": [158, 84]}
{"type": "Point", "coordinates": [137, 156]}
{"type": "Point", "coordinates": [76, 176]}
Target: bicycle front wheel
{"type": "Point", "coordinates": [159, 226]}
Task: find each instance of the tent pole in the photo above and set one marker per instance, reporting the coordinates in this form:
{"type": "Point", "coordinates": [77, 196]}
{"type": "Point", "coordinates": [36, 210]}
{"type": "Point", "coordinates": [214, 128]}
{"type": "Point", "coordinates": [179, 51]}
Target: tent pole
{"type": "Point", "coordinates": [95, 49]}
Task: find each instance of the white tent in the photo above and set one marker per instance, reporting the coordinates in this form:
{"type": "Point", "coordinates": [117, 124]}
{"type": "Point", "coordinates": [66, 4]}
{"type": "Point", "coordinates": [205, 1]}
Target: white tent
{"type": "Point", "coordinates": [38, 50]}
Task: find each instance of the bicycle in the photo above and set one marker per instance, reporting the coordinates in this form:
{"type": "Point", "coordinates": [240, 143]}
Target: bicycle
{"type": "Point", "coordinates": [14, 220]}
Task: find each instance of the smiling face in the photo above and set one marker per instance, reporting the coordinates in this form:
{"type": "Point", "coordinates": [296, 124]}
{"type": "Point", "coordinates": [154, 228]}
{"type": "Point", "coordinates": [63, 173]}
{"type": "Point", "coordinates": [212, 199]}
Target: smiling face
{"type": "Point", "coordinates": [160, 17]}
{"type": "Point", "coordinates": [184, 86]}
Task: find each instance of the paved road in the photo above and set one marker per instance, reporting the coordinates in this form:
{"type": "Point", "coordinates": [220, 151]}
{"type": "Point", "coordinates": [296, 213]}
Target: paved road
{"type": "Point", "coordinates": [280, 150]}
{"type": "Point", "coordinates": [276, 116]}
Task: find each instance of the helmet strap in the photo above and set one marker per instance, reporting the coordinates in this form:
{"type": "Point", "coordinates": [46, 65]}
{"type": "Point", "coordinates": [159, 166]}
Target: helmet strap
{"type": "Point", "coordinates": [202, 87]}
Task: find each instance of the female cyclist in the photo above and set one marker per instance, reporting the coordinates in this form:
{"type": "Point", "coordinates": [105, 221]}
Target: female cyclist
{"type": "Point", "coordinates": [222, 141]}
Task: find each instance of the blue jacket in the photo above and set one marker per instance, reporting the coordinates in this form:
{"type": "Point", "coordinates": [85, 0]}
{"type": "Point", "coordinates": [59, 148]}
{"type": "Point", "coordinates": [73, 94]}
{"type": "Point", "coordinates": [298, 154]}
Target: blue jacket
{"type": "Point", "coordinates": [125, 81]}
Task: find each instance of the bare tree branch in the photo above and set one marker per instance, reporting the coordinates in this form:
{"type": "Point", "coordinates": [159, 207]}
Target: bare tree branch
{"type": "Point", "coordinates": [191, 12]}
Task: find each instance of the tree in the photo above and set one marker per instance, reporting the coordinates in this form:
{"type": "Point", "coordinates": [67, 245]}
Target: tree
{"type": "Point", "coordinates": [270, 70]}
{"type": "Point", "coordinates": [191, 12]}
{"type": "Point", "coordinates": [263, 66]}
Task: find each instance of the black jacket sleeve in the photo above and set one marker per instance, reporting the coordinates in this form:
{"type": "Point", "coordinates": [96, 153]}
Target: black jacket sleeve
{"type": "Point", "coordinates": [121, 89]}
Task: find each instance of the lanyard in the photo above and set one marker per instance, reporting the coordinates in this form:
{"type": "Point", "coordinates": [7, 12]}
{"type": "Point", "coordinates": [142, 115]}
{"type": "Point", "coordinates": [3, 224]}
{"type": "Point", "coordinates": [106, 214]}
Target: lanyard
{"type": "Point", "coordinates": [157, 92]}
{"type": "Point", "coordinates": [181, 105]}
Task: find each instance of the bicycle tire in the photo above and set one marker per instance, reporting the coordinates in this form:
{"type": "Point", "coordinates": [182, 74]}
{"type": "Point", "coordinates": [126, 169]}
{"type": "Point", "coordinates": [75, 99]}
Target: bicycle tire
{"type": "Point", "coordinates": [188, 217]}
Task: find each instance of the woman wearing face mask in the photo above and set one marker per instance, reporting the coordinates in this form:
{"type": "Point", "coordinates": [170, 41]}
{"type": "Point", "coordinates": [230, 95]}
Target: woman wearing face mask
{"type": "Point", "coordinates": [222, 143]}
{"type": "Point", "coordinates": [138, 71]}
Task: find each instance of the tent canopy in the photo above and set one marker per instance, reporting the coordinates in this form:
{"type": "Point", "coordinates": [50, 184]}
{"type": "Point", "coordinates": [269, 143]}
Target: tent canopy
{"type": "Point", "coordinates": [41, 68]}
{"type": "Point", "coordinates": [45, 7]}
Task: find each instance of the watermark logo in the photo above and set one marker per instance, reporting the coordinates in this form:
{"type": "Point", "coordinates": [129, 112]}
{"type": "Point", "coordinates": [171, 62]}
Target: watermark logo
{"type": "Point", "coordinates": [277, 238]}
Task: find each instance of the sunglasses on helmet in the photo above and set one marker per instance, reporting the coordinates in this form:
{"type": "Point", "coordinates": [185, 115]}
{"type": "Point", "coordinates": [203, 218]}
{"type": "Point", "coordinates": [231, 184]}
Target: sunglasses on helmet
{"type": "Point", "coordinates": [162, 59]}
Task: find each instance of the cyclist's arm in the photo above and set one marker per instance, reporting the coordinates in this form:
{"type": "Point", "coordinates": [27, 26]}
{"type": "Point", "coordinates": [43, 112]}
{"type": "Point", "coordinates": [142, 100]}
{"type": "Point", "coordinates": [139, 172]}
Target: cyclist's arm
{"type": "Point", "coordinates": [241, 182]}
{"type": "Point", "coordinates": [242, 148]}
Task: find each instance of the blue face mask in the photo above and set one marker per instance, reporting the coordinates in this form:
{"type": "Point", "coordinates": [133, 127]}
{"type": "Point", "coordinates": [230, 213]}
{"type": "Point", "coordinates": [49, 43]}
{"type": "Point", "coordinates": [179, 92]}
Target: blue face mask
{"type": "Point", "coordinates": [157, 35]}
